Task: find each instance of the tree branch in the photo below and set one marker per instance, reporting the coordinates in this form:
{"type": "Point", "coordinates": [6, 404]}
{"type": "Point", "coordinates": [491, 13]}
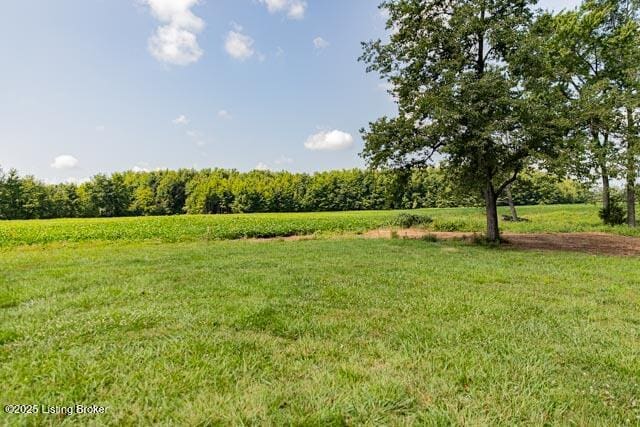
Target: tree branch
{"type": "Point", "coordinates": [508, 182]}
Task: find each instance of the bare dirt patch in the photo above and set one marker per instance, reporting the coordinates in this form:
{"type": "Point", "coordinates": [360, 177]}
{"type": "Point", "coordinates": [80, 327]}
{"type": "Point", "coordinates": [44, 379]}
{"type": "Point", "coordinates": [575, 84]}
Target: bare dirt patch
{"type": "Point", "coordinates": [593, 243]}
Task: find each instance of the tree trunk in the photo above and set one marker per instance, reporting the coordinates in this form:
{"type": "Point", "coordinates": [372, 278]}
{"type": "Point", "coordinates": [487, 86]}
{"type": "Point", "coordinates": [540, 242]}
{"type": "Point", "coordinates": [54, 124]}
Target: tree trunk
{"type": "Point", "coordinates": [631, 200]}
{"type": "Point", "coordinates": [606, 191]}
{"type": "Point", "coordinates": [512, 206]}
{"type": "Point", "coordinates": [493, 233]}
{"type": "Point", "coordinates": [604, 169]}
{"type": "Point", "coordinates": [631, 170]}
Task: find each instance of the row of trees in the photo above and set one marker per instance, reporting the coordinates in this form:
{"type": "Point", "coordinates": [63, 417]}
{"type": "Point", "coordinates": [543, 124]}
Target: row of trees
{"type": "Point", "coordinates": [489, 88]}
{"type": "Point", "coordinates": [227, 191]}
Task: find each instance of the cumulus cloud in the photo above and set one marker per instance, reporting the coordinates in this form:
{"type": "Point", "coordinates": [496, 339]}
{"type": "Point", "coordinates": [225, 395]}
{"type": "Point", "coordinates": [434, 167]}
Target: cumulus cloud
{"type": "Point", "coordinates": [329, 141]}
{"type": "Point", "coordinates": [261, 167]}
{"type": "Point", "coordinates": [224, 114]}
{"type": "Point", "coordinates": [141, 167]}
{"type": "Point", "coordinates": [295, 9]}
{"type": "Point", "coordinates": [64, 161]}
{"type": "Point", "coordinates": [320, 43]}
{"type": "Point", "coordinates": [239, 45]}
{"type": "Point", "coordinates": [181, 120]}
{"type": "Point", "coordinates": [176, 41]}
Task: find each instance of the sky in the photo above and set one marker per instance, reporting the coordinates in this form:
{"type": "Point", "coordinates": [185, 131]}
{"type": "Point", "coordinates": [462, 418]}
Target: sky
{"type": "Point", "coordinates": [98, 86]}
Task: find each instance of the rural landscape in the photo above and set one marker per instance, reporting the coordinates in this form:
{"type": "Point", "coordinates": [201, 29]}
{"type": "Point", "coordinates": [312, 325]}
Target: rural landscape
{"type": "Point", "coordinates": [473, 258]}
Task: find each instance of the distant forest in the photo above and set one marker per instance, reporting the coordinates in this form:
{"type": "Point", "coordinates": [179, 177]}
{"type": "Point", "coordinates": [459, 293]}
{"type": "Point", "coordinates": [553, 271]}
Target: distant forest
{"type": "Point", "coordinates": [219, 191]}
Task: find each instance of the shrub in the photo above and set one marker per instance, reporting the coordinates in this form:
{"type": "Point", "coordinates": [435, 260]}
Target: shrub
{"type": "Point", "coordinates": [407, 220]}
{"type": "Point", "coordinates": [614, 214]}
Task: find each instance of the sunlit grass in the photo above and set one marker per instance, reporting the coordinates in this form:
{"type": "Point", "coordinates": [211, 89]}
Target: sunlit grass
{"type": "Point", "coordinates": [336, 331]}
{"type": "Point", "coordinates": [560, 218]}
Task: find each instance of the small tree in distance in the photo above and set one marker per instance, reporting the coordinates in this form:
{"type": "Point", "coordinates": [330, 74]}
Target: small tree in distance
{"type": "Point", "coordinates": [454, 72]}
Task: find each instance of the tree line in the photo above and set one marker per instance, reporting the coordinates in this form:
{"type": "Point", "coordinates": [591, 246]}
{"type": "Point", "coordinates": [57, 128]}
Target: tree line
{"type": "Point", "coordinates": [490, 88]}
{"type": "Point", "coordinates": [217, 191]}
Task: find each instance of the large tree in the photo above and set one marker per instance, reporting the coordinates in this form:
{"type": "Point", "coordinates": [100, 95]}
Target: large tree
{"type": "Point", "coordinates": [460, 98]}
{"type": "Point", "coordinates": [593, 53]}
{"type": "Point", "coordinates": [623, 53]}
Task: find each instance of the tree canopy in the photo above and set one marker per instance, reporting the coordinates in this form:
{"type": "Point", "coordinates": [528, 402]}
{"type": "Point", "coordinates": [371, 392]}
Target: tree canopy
{"type": "Point", "coordinates": [487, 88]}
{"type": "Point", "coordinates": [453, 68]}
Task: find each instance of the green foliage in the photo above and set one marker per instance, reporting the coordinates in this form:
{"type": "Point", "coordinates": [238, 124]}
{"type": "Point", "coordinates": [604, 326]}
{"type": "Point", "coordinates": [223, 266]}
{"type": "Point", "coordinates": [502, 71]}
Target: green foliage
{"type": "Point", "coordinates": [536, 187]}
{"type": "Point", "coordinates": [220, 191]}
{"type": "Point", "coordinates": [614, 214]}
{"type": "Point", "coordinates": [108, 196]}
{"type": "Point", "coordinates": [408, 220]}
{"type": "Point", "coordinates": [541, 219]}
{"type": "Point", "coordinates": [461, 93]}
{"type": "Point", "coordinates": [593, 54]}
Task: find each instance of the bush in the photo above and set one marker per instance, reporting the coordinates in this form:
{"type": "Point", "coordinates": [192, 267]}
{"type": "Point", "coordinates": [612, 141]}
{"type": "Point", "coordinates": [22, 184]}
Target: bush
{"type": "Point", "coordinates": [407, 220]}
{"type": "Point", "coordinates": [614, 215]}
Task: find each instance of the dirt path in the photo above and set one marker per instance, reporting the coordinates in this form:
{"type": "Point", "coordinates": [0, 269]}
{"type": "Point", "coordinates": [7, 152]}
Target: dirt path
{"type": "Point", "coordinates": [593, 243]}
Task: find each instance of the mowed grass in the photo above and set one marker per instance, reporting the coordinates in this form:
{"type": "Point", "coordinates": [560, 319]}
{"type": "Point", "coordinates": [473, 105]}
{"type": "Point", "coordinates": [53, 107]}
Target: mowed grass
{"type": "Point", "coordinates": [320, 332]}
{"type": "Point", "coordinates": [558, 218]}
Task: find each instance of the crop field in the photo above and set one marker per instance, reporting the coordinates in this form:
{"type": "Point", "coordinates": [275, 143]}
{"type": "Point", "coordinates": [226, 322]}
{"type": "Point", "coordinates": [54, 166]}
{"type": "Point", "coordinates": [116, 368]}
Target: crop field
{"type": "Point", "coordinates": [558, 218]}
{"type": "Point", "coordinates": [163, 321]}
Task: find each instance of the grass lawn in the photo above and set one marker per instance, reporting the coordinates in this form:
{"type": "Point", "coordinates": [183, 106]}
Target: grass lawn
{"type": "Point", "coordinates": [557, 218]}
{"type": "Point", "coordinates": [320, 332]}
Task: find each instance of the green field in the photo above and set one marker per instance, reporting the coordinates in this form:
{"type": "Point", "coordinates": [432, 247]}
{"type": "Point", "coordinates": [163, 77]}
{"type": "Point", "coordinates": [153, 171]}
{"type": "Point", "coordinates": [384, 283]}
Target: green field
{"type": "Point", "coordinates": [558, 218]}
{"type": "Point", "coordinates": [171, 326]}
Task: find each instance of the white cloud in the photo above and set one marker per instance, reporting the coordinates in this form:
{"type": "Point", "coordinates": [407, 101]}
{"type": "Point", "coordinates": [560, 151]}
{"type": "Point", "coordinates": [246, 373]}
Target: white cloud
{"type": "Point", "coordinates": [181, 120]}
{"type": "Point", "coordinates": [140, 168]}
{"type": "Point", "coordinates": [261, 167]}
{"type": "Point", "coordinates": [283, 160]}
{"type": "Point", "coordinates": [320, 43]}
{"type": "Point", "coordinates": [194, 134]}
{"type": "Point", "coordinates": [176, 41]}
{"type": "Point", "coordinates": [329, 141]}
{"type": "Point", "coordinates": [239, 46]}
{"type": "Point", "coordinates": [175, 46]}
{"type": "Point", "coordinates": [200, 143]}
{"type": "Point", "coordinates": [76, 180]}
{"type": "Point", "coordinates": [64, 161]}
{"type": "Point", "coordinates": [295, 9]}
{"type": "Point", "coordinates": [100, 128]}
{"type": "Point", "coordinates": [224, 114]}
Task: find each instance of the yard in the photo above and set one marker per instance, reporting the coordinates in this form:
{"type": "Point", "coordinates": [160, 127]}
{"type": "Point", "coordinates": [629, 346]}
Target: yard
{"type": "Point", "coordinates": [338, 329]}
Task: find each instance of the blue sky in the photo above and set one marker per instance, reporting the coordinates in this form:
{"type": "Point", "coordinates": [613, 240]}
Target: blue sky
{"type": "Point", "coordinates": [105, 85]}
